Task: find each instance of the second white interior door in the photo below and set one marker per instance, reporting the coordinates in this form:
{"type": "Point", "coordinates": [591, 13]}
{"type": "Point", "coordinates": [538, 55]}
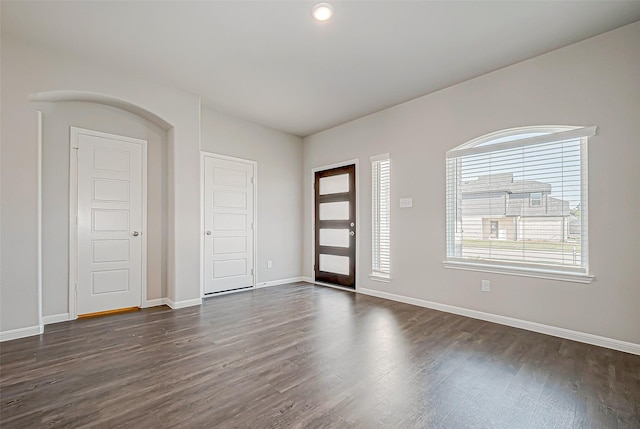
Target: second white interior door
{"type": "Point", "coordinates": [228, 224]}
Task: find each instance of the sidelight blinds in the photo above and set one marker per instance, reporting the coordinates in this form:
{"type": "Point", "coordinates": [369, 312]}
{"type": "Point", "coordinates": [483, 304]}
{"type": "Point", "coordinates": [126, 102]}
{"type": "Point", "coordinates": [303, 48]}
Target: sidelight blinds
{"type": "Point", "coordinates": [519, 198]}
{"type": "Point", "coordinates": [381, 221]}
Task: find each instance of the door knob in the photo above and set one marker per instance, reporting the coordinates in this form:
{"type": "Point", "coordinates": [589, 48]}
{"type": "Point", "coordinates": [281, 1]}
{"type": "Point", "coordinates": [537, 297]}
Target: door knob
{"type": "Point", "coordinates": [135, 233]}
{"type": "Point", "coordinates": [208, 232]}
{"type": "Point", "coordinates": [351, 233]}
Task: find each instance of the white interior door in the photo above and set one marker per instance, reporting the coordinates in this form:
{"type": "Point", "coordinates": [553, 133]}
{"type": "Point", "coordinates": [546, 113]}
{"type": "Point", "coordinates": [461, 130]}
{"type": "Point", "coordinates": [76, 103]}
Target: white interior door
{"type": "Point", "coordinates": [228, 224]}
{"type": "Point", "coordinates": [110, 220]}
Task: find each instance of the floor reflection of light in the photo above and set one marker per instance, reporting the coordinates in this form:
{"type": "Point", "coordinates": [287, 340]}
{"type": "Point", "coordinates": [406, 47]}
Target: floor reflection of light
{"type": "Point", "coordinates": [363, 349]}
{"type": "Point", "coordinates": [334, 331]}
{"type": "Point", "coordinates": [385, 358]}
{"type": "Point", "coordinates": [334, 321]}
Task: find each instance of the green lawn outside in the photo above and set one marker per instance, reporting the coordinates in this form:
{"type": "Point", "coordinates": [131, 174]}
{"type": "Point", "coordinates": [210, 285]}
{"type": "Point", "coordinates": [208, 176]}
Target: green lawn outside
{"type": "Point", "coordinates": [528, 245]}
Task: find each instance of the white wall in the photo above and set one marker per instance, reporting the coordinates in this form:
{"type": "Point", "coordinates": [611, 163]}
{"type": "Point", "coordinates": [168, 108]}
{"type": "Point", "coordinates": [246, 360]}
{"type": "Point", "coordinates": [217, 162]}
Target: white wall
{"type": "Point", "coordinates": [26, 70]}
{"type": "Point", "coordinates": [279, 158]}
{"type": "Point", "coordinates": [594, 82]}
{"type": "Point", "coordinates": [57, 118]}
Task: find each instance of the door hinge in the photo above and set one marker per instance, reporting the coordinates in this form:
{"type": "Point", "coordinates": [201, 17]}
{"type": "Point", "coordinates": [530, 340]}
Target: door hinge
{"type": "Point", "coordinates": [252, 182]}
{"type": "Point", "coordinates": [251, 271]}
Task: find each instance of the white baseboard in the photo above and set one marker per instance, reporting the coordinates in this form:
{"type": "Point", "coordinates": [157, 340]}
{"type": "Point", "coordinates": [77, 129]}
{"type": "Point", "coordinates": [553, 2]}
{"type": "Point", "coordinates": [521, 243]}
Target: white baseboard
{"type": "Point", "coordinates": [14, 334]}
{"type": "Point", "coordinates": [182, 304]}
{"type": "Point", "coordinates": [568, 334]}
{"type": "Point", "coordinates": [280, 282]}
{"type": "Point", "coordinates": [155, 302]}
{"type": "Point", "coordinates": [55, 318]}
{"type": "Point", "coordinates": [306, 279]}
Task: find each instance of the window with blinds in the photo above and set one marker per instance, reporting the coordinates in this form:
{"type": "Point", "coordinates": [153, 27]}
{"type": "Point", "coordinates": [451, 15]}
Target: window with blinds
{"type": "Point", "coordinates": [381, 220]}
{"type": "Point", "coordinates": [517, 203]}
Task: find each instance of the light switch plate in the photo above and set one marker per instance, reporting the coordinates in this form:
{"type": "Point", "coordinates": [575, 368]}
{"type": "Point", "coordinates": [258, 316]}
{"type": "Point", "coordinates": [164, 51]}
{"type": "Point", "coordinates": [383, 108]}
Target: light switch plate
{"type": "Point", "coordinates": [406, 202]}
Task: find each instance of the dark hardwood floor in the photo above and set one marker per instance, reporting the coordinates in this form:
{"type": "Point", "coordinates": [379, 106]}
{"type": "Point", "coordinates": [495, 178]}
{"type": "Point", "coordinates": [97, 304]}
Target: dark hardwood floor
{"type": "Point", "coordinates": [310, 357]}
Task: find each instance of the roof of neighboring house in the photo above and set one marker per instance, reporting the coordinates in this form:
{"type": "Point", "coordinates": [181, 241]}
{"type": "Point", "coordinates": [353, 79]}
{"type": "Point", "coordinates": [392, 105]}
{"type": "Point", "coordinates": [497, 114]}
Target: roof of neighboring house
{"type": "Point", "coordinates": [503, 182]}
{"type": "Point", "coordinates": [496, 195]}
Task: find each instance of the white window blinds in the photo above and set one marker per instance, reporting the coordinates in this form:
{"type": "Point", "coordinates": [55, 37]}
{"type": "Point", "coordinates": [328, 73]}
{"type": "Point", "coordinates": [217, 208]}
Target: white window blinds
{"type": "Point", "coordinates": [520, 199]}
{"type": "Point", "coordinates": [381, 220]}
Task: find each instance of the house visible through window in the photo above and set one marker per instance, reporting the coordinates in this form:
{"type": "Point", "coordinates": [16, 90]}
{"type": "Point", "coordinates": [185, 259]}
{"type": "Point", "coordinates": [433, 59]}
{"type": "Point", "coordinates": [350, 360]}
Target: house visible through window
{"type": "Point", "coordinates": [381, 217]}
{"type": "Point", "coordinates": [516, 203]}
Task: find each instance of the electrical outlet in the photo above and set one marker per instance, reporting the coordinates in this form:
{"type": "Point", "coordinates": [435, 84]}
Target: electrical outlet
{"type": "Point", "coordinates": [486, 286]}
{"type": "Point", "coordinates": [269, 263]}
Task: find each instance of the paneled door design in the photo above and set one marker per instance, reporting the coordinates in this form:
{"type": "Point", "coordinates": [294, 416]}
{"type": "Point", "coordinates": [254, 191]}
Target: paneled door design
{"type": "Point", "coordinates": [335, 226]}
{"type": "Point", "coordinates": [228, 224]}
{"type": "Point", "coordinates": [110, 220]}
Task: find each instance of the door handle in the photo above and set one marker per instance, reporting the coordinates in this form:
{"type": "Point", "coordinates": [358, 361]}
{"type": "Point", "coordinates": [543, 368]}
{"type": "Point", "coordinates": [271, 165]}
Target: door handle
{"type": "Point", "coordinates": [352, 233]}
{"type": "Point", "coordinates": [208, 232]}
{"type": "Point", "coordinates": [135, 233]}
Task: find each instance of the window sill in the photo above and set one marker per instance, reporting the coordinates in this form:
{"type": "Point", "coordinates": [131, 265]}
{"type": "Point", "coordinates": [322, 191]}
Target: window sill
{"type": "Point", "coordinates": [380, 278]}
{"type": "Point", "coordinates": [520, 271]}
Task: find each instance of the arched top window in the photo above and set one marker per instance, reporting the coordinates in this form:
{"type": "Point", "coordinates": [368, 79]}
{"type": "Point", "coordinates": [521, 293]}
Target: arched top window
{"type": "Point", "coordinates": [517, 203]}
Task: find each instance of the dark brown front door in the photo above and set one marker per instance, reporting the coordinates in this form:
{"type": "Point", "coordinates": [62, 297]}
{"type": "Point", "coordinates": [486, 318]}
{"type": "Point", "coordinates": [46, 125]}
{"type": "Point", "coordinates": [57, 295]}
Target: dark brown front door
{"type": "Point", "coordinates": [335, 226]}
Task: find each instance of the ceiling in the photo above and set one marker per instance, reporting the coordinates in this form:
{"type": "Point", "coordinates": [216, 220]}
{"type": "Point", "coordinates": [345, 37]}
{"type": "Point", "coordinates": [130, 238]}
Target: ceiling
{"type": "Point", "coordinates": [269, 62]}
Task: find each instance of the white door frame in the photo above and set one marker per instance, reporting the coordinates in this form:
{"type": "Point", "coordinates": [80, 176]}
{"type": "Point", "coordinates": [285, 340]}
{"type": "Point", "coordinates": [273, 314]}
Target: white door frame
{"type": "Point", "coordinates": [74, 132]}
{"type": "Point", "coordinates": [313, 219]}
{"type": "Point", "coordinates": [203, 156]}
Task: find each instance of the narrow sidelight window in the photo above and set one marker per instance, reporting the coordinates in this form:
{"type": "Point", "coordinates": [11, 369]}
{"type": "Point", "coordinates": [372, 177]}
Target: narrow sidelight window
{"type": "Point", "coordinates": [381, 217]}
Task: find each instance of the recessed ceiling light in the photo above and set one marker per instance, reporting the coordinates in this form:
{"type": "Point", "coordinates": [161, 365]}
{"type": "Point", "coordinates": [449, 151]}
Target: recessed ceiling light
{"type": "Point", "coordinates": [322, 11]}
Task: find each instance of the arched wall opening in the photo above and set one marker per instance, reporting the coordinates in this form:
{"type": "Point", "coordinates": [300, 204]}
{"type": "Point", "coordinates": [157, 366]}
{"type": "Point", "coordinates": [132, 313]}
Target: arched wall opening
{"type": "Point", "coordinates": [61, 110]}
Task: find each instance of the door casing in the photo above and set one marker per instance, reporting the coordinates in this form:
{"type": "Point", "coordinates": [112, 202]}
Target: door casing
{"type": "Point", "coordinates": [313, 220]}
{"type": "Point", "coordinates": [203, 156]}
{"type": "Point", "coordinates": [74, 132]}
